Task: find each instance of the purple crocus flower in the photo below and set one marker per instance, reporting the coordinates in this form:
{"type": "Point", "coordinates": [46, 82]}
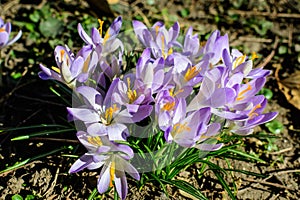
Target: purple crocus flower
{"type": "Point", "coordinates": [239, 63]}
{"type": "Point", "coordinates": [113, 171]}
{"type": "Point", "coordinates": [150, 73]}
{"type": "Point", "coordinates": [254, 111]}
{"type": "Point", "coordinates": [107, 44]}
{"type": "Point", "coordinates": [158, 38]}
{"type": "Point", "coordinates": [185, 129]}
{"type": "Point", "coordinates": [208, 140]}
{"type": "Point", "coordinates": [5, 30]}
{"type": "Point", "coordinates": [101, 115]}
{"type": "Point", "coordinates": [136, 98]}
{"type": "Point", "coordinates": [192, 74]}
{"type": "Point", "coordinates": [215, 46]}
{"type": "Point", "coordinates": [191, 45]}
{"type": "Point", "coordinates": [112, 157]}
{"type": "Point", "coordinates": [211, 93]}
{"type": "Point", "coordinates": [70, 68]}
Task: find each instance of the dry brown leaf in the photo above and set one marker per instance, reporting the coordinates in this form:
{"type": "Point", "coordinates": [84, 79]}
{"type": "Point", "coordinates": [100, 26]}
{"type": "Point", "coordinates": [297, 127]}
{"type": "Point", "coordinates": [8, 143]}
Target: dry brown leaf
{"type": "Point", "coordinates": [290, 87]}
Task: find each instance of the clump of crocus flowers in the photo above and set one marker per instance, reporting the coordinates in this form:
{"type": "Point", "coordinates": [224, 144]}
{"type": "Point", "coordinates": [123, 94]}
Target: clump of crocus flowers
{"type": "Point", "coordinates": [191, 91]}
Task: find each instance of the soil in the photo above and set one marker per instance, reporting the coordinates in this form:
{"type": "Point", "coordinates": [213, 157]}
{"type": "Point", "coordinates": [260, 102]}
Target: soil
{"type": "Point", "coordinates": [27, 101]}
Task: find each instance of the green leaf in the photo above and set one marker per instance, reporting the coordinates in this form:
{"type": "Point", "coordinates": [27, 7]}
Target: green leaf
{"type": "Point", "coordinates": [186, 187]}
{"type": "Point", "coordinates": [35, 16]}
{"type": "Point", "coordinates": [224, 184]}
{"type": "Point", "coordinates": [19, 164]}
{"type": "Point", "coordinates": [16, 197]}
{"type": "Point", "coordinates": [267, 93]}
{"type": "Point", "coordinates": [16, 75]}
{"type": "Point", "coordinates": [43, 133]}
{"type": "Point", "coordinates": [93, 194]}
{"type": "Point", "coordinates": [246, 155]}
{"type": "Point", "coordinates": [184, 12]}
{"type": "Point", "coordinates": [51, 27]}
{"type": "Point", "coordinates": [30, 197]}
{"type": "Point", "coordinates": [282, 50]}
{"type": "Point", "coordinates": [30, 27]}
{"type": "Point", "coordinates": [275, 126]}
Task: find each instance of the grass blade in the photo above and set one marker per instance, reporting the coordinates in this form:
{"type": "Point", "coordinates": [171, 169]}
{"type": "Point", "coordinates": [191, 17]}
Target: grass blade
{"type": "Point", "coordinates": [186, 187]}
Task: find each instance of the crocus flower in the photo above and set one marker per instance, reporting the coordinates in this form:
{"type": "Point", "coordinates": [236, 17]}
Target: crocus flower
{"type": "Point", "coordinates": [107, 44]}
{"type": "Point", "coordinates": [136, 99]}
{"type": "Point", "coordinates": [211, 94]}
{"type": "Point", "coordinates": [191, 46]}
{"type": "Point", "coordinates": [208, 140]}
{"type": "Point", "coordinates": [158, 38]}
{"type": "Point", "coordinates": [113, 171]}
{"type": "Point", "coordinates": [70, 68]}
{"type": "Point", "coordinates": [101, 115]}
{"type": "Point", "coordinates": [150, 73]}
{"type": "Point", "coordinates": [185, 129]}
{"type": "Point", "coordinates": [215, 46]}
{"type": "Point", "coordinates": [239, 63]}
{"type": "Point", "coordinates": [5, 30]}
{"type": "Point", "coordinates": [255, 116]}
{"type": "Point", "coordinates": [112, 157]}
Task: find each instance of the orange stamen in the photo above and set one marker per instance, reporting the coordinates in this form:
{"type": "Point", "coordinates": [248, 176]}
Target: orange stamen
{"type": "Point", "coordinates": [131, 94]}
{"type": "Point", "coordinates": [191, 73]}
{"type": "Point", "coordinates": [95, 141]}
{"type": "Point", "coordinates": [252, 113]}
{"type": "Point", "coordinates": [100, 26]}
{"type": "Point", "coordinates": [169, 106]}
{"type": "Point", "coordinates": [112, 173]}
{"type": "Point", "coordinates": [240, 95]}
{"type": "Point", "coordinates": [179, 128]}
{"type": "Point", "coordinates": [239, 61]}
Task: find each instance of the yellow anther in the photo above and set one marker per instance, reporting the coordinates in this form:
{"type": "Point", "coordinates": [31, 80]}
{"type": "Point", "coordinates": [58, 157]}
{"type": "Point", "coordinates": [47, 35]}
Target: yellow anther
{"type": "Point", "coordinates": [156, 30]}
{"type": "Point", "coordinates": [95, 141]}
{"type": "Point", "coordinates": [179, 128]}
{"type": "Point", "coordinates": [112, 173]}
{"type": "Point", "coordinates": [168, 106]}
{"type": "Point", "coordinates": [86, 64]}
{"type": "Point", "coordinates": [131, 94]}
{"type": "Point", "coordinates": [170, 51]}
{"type": "Point", "coordinates": [252, 113]}
{"type": "Point", "coordinates": [2, 29]}
{"type": "Point", "coordinates": [163, 47]}
{"type": "Point", "coordinates": [240, 95]}
{"type": "Point", "coordinates": [191, 73]}
{"type": "Point", "coordinates": [109, 114]}
{"type": "Point", "coordinates": [62, 53]}
{"type": "Point", "coordinates": [254, 55]}
{"type": "Point", "coordinates": [239, 61]}
{"type": "Point", "coordinates": [172, 94]}
{"type": "Point", "coordinates": [107, 36]}
{"type": "Point", "coordinates": [56, 69]}
{"type": "Point", "coordinates": [100, 26]}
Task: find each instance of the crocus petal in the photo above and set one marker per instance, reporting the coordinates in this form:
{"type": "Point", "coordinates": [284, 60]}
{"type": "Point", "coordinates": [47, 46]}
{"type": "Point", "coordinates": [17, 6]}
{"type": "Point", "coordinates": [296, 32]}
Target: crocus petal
{"type": "Point", "coordinates": [15, 38]}
{"type": "Point", "coordinates": [115, 132]}
{"type": "Point", "coordinates": [3, 38]}
{"type": "Point", "coordinates": [84, 114]}
{"type": "Point", "coordinates": [84, 36]}
{"type": "Point", "coordinates": [97, 129]}
{"type": "Point", "coordinates": [81, 163]}
{"type": "Point", "coordinates": [209, 147]}
{"type": "Point", "coordinates": [89, 94]}
{"type": "Point", "coordinates": [121, 184]}
{"type": "Point", "coordinates": [104, 179]}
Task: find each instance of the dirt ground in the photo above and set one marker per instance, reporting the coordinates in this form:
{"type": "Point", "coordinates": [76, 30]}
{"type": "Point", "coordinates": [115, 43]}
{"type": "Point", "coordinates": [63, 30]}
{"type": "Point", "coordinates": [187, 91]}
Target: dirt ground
{"type": "Point", "coordinates": [270, 28]}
